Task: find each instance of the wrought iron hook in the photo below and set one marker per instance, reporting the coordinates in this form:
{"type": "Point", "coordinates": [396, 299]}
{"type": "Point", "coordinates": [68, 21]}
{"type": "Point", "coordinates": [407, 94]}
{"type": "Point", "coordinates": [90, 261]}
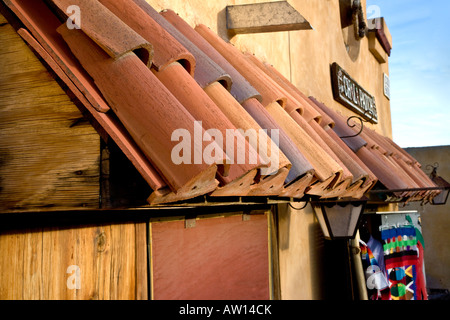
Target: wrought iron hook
{"type": "Point", "coordinates": [354, 125]}
{"type": "Point", "coordinates": [361, 120]}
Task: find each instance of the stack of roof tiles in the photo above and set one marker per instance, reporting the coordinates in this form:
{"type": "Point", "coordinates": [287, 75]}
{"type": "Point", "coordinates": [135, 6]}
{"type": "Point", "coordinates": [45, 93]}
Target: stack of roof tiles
{"type": "Point", "coordinates": [142, 75]}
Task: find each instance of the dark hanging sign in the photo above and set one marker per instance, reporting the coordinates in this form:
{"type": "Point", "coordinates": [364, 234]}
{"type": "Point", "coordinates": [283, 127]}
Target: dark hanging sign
{"type": "Point", "coordinates": [349, 93]}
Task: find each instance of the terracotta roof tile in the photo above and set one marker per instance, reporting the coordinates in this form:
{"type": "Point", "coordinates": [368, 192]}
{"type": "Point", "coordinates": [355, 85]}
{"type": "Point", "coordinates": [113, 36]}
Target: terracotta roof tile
{"type": "Point", "coordinates": [217, 57]}
{"type": "Point", "coordinates": [166, 48]}
{"type": "Point", "coordinates": [356, 172]}
{"type": "Point", "coordinates": [316, 132]}
{"type": "Point", "coordinates": [323, 164]}
{"type": "Point", "coordinates": [107, 30]}
{"type": "Point", "coordinates": [300, 166]}
{"type": "Point", "coordinates": [327, 121]}
{"type": "Point", "coordinates": [241, 90]}
{"type": "Point", "coordinates": [371, 177]}
{"type": "Point", "coordinates": [395, 169]}
{"type": "Point", "coordinates": [301, 170]}
{"type": "Point", "coordinates": [400, 159]}
{"type": "Point", "coordinates": [310, 123]}
{"type": "Point", "coordinates": [241, 120]}
{"type": "Point", "coordinates": [202, 108]}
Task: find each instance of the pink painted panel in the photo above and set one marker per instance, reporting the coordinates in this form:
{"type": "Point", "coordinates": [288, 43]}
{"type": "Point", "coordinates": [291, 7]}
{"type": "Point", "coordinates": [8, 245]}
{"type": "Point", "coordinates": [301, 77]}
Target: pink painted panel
{"type": "Point", "coordinates": [219, 258]}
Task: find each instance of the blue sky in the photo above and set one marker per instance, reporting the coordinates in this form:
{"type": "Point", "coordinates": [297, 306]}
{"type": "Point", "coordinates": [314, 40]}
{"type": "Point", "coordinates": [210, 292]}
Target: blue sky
{"type": "Point", "coordinates": [419, 68]}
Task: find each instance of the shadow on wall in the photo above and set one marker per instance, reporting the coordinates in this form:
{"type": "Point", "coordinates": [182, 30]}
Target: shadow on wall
{"type": "Point", "coordinates": [303, 250]}
{"type": "Point", "coordinates": [316, 245]}
{"type": "Point", "coordinates": [222, 30]}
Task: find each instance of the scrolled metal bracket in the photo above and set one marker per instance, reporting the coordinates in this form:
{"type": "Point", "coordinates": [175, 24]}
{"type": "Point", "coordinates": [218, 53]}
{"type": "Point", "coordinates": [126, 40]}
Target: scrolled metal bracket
{"type": "Point", "coordinates": [361, 120]}
{"type": "Point", "coordinates": [354, 125]}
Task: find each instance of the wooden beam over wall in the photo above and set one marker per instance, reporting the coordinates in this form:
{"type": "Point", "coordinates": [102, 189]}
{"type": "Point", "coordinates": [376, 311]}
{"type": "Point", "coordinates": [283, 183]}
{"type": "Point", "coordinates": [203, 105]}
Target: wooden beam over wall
{"type": "Point", "coordinates": [265, 17]}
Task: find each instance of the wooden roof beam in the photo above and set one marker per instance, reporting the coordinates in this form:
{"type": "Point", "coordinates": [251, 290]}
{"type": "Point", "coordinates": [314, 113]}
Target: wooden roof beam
{"type": "Point", "coordinates": [264, 17]}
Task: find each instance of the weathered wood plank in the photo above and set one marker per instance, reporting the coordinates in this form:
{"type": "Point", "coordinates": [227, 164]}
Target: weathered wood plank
{"type": "Point", "coordinates": [32, 266]}
{"type": "Point", "coordinates": [10, 266]}
{"type": "Point", "coordinates": [123, 262]}
{"type": "Point", "coordinates": [265, 17]}
{"type": "Point", "coordinates": [103, 261]}
{"type": "Point", "coordinates": [42, 263]}
{"type": "Point", "coordinates": [49, 154]}
{"type": "Point", "coordinates": [141, 262]}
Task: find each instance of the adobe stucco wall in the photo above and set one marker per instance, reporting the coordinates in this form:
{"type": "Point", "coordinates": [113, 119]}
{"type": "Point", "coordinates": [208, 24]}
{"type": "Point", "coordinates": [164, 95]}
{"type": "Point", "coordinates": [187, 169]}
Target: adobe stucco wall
{"type": "Point", "coordinates": [304, 57]}
{"type": "Point", "coordinates": [301, 249]}
{"type": "Point", "coordinates": [435, 219]}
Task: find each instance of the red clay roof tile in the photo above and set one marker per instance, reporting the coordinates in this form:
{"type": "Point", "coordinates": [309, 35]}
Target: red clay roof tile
{"type": "Point", "coordinates": [300, 166]}
{"type": "Point", "coordinates": [355, 170]}
{"type": "Point", "coordinates": [315, 132]}
{"type": "Point", "coordinates": [371, 177]}
{"type": "Point", "coordinates": [322, 162]}
{"type": "Point", "coordinates": [241, 89]}
{"type": "Point", "coordinates": [202, 108]}
{"type": "Point", "coordinates": [107, 30]}
{"type": "Point", "coordinates": [272, 94]}
{"type": "Point", "coordinates": [241, 120]}
{"type": "Point", "coordinates": [326, 121]}
{"type": "Point", "coordinates": [383, 172]}
{"type": "Point", "coordinates": [233, 110]}
{"type": "Point", "coordinates": [166, 48]}
{"type": "Point", "coordinates": [300, 170]}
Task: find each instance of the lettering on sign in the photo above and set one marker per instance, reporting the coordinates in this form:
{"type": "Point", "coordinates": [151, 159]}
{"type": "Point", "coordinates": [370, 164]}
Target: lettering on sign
{"type": "Point", "coordinates": [349, 93]}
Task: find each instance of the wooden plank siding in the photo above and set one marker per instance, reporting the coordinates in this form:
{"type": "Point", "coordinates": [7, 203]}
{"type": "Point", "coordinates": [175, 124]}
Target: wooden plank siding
{"type": "Point", "coordinates": [112, 261]}
{"type": "Point", "coordinates": [50, 160]}
{"type": "Point", "coordinates": [49, 153]}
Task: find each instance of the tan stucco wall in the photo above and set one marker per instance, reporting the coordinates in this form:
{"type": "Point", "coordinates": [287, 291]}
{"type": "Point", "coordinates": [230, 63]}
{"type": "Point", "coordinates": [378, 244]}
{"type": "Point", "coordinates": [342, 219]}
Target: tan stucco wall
{"type": "Point", "coordinates": [435, 219]}
{"type": "Point", "coordinates": [300, 253]}
{"type": "Point", "coordinates": [304, 57]}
